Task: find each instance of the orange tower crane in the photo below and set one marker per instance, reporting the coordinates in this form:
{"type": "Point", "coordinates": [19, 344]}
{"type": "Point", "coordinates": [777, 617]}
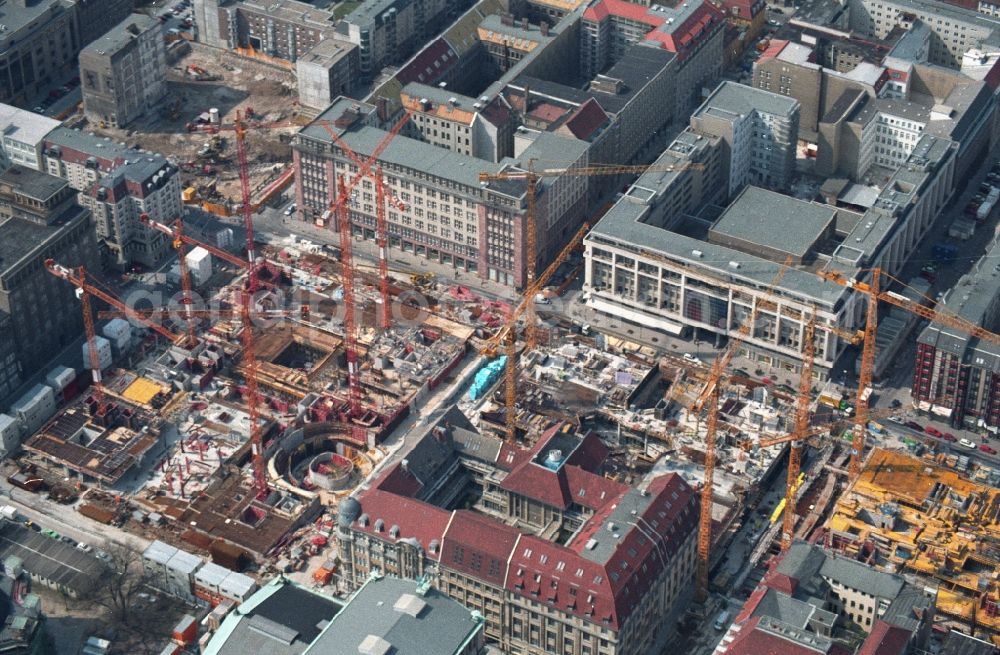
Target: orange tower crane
{"type": "Point", "coordinates": [531, 176]}
{"type": "Point", "coordinates": [875, 294]}
{"type": "Point", "coordinates": [800, 429]}
{"type": "Point", "coordinates": [709, 399]}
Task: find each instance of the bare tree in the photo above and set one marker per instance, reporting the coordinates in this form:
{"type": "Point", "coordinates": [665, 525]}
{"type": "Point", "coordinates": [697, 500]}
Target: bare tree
{"type": "Point", "coordinates": [118, 589]}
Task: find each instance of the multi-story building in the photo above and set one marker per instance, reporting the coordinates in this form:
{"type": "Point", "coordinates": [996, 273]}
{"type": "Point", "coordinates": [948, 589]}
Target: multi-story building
{"type": "Point", "coordinates": [39, 42]}
{"type": "Point", "coordinates": [23, 135]}
{"type": "Point", "coordinates": [645, 265]}
{"type": "Point", "coordinates": [40, 219]}
{"type": "Point", "coordinates": [957, 376]}
{"type": "Point", "coordinates": [449, 215]}
{"type": "Point", "coordinates": [123, 74]}
{"type": "Point", "coordinates": [790, 69]}
{"type": "Point", "coordinates": [94, 16]}
{"type": "Point", "coordinates": [10, 374]}
{"type": "Point", "coordinates": [556, 557]}
{"type": "Point", "coordinates": [387, 32]}
{"type": "Point", "coordinates": [118, 184]}
{"type": "Point", "coordinates": [693, 31]}
{"type": "Point", "coordinates": [760, 130]}
{"type": "Point", "coordinates": [813, 602]}
{"type": "Point", "coordinates": [327, 71]}
{"type": "Point", "coordinates": [955, 30]}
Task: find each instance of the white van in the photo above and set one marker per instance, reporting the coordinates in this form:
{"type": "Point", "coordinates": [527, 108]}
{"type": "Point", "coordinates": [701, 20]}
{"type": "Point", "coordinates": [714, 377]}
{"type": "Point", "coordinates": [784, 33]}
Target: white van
{"type": "Point", "coordinates": [722, 621]}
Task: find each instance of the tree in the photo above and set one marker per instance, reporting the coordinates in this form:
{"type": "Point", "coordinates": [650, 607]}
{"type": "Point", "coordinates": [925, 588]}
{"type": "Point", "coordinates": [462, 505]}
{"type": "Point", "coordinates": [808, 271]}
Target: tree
{"type": "Point", "coordinates": [118, 589]}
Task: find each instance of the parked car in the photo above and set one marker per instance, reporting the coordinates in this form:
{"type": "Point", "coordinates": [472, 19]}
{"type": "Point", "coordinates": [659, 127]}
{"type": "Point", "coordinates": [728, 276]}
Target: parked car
{"type": "Point", "coordinates": [51, 534]}
{"type": "Point", "coordinates": [933, 431]}
{"type": "Point", "coordinates": [965, 443]}
{"type": "Point", "coordinates": [290, 209]}
{"type": "Point", "coordinates": [988, 449]}
{"type": "Point", "coordinates": [913, 425]}
{"type": "Point", "coordinates": [85, 547]}
{"type": "Point", "coordinates": [948, 436]}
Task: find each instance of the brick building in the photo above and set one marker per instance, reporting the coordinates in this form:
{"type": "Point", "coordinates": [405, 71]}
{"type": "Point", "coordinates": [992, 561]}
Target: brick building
{"type": "Point", "coordinates": [555, 556]}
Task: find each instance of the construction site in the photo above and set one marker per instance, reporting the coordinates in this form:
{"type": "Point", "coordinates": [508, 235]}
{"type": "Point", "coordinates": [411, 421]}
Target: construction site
{"type": "Point", "coordinates": [919, 516]}
{"type": "Point", "coordinates": [195, 126]}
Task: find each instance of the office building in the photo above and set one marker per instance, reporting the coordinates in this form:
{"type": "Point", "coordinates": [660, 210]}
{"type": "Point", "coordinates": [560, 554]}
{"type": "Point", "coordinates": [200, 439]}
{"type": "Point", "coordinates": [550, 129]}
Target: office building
{"type": "Point", "coordinates": [760, 130]}
{"type": "Point", "coordinates": [123, 73]}
{"type": "Point", "coordinates": [555, 557]}
{"type": "Point", "coordinates": [649, 261]}
{"type": "Point", "coordinates": [23, 135]}
{"type": "Point", "coordinates": [118, 184]}
{"type": "Point", "coordinates": [40, 219]}
{"type": "Point", "coordinates": [327, 71]}
{"type": "Point", "coordinates": [94, 16]}
{"type": "Point", "coordinates": [449, 216]}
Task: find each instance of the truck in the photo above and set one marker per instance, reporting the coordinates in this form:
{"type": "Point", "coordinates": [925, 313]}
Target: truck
{"type": "Point", "coordinates": [984, 210]}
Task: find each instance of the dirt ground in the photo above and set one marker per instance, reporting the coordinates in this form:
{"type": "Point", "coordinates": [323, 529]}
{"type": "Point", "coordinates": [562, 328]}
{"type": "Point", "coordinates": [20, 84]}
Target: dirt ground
{"type": "Point", "coordinates": [268, 89]}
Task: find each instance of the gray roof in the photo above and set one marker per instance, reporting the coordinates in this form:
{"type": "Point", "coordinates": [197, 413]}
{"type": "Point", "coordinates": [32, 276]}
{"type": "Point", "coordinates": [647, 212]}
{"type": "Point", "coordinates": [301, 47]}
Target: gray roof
{"type": "Point", "coordinates": [972, 299]}
{"type": "Point", "coordinates": [533, 33]}
{"type": "Point", "coordinates": [122, 34]}
{"type": "Point", "coordinates": [424, 622]}
{"type": "Point", "coordinates": [15, 17]}
{"type": "Point", "coordinates": [956, 643]}
{"type": "Point", "coordinates": [903, 611]}
{"type": "Point", "coordinates": [34, 184]}
{"type": "Point", "coordinates": [51, 559]}
{"type": "Point", "coordinates": [372, 10]}
{"type": "Point", "coordinates": [21, 238]}
{"type": "Point", "coordinates": [773, 220]}
{"type": "Point", "coordinates": [282, 618]}
{"type": "Point", "coordinates": [410, 153]}
{"type": "Point", "coordinates": [783, 607]}
{"type": "Point", "coordinates": [735, 98]}
{"type": "Point", "coordinates": [952, 12]}
{"type": "Point", "coordinates": [633, 503]}
{"type": "Point", "coordinates": [908, 47]}
{"type": "Point", "coordinates": [136, 165]}
{"type": "Point", "coordinates": [810, 565]}
{"type": "Point", "coordinates": [872, 107]}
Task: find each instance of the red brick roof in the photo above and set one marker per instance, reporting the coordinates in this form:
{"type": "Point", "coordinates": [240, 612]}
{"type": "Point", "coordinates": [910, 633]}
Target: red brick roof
{"type": "Point", "coordinates": [745, 9]}
{"type": "Point", "coordinates": [430, 64]}
{"type": "Point", "coordinates": [416, 520]}
{"type": "Point", "coordinates": [677, 38]}
{"type": "Point", "coordinates": [586, 120]}
{"type": "Point", "coordinates": [751, 641]}
{"type": "Point", "coordinates": [629, 10]}
{"type": "Point", "coordinates": [478, 546]}
{"type": "Point", "coordinates": [773, 50]}
{"type": "Point", "coordinates": [885, 639]}
{"type": "Point", "coordinates": [399, 481]}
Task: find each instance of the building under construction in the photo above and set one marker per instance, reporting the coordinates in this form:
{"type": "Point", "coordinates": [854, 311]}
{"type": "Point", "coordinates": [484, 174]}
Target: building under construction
{"type": "Point", "coordinates": [918, 517]}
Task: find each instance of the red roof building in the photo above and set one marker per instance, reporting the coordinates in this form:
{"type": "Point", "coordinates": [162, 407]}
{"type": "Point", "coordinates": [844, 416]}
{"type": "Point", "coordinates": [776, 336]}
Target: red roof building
{"type": "Point", "coordinates": [549, 540]}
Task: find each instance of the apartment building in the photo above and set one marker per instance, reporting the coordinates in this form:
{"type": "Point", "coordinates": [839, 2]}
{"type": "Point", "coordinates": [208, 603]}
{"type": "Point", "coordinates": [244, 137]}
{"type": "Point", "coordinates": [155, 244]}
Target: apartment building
{"type": "Point", "coordinates": [40, 219]}
{"type": "Point", "coordinates": [40, 42]}
{"type": "Point", "coordinates": [23, 133]}
{"type": "Point", "coordinates": [815, 602]}
{"type": "Point", "coordinates": [955, 30]}
{"type": "Point", "coordinates": [760, 130]}
{"type": "Point", "coordinates": [605, 590]}
{"type": "Point", "coordinates": [94, 16]}
{"type": "Point", "coordinates": [693, 31]}
{"type": "Point", "coordinates": [450, 216]}
{"type": "Point", "coordinates": [957, 377]}
{"type": "Point", "coordinates": [123, 74]}
{"type": "Point", "coordinates": [645, 264]}
{"type": "Point", "coordinates": [118, 184]}
{"type": "Point", "coordinates": [327, 71]}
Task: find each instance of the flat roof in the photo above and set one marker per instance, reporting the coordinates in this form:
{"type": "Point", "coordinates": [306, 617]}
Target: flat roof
{"type": "Point", "coordinates": [37, 185]}
{"type": "Point", "coordinates": [16, 18]}
{"type": "Point", "coordinates": [413, 619]}
{"type": "Point", "coordinates": [736, 98]}
{"type": "Point", "coordinates": [122, 34]}
{"type": "Point", "coordinates": [20, 238]}
{"type": "Point", "coordinates": [48, 558]}
{"type": "Point", "coordinates": [772, 220]}
{"type": "Point", "coordinates": [25, 126]}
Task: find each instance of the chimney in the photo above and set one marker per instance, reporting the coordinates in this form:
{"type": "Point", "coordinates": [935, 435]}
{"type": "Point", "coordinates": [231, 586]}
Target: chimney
{"type": "Point", "coordinates": [524, 24]}
{"type": "Point", "coordinates": [382, 109]}
{"type": "Point", "coordinates": [544, 27]}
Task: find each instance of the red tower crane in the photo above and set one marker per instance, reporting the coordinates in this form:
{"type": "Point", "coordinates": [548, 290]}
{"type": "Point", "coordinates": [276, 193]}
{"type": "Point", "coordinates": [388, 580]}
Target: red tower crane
{"type": "Point", "coordinates": [382, 196]}
{"type": "Point", "coordinates": [250, 366]}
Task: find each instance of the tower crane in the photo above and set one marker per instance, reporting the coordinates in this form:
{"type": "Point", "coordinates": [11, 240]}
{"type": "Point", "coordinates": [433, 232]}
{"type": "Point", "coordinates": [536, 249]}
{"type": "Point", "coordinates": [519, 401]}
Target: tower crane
{"type": "Point", "coordinates": [709, 399]}
{"type": "Point", "coordinates": [85, 291]}
{"type": "Point", "coordinates": [382, 196]}
{"type": "Point", "coordinates": [531, 177]}
{"type": "Point", "coordinates": [875, 294]}
{"type": "Point", "coordinates": [800, 428]}
{"type": "Point", "coordinates": [506, 335]}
